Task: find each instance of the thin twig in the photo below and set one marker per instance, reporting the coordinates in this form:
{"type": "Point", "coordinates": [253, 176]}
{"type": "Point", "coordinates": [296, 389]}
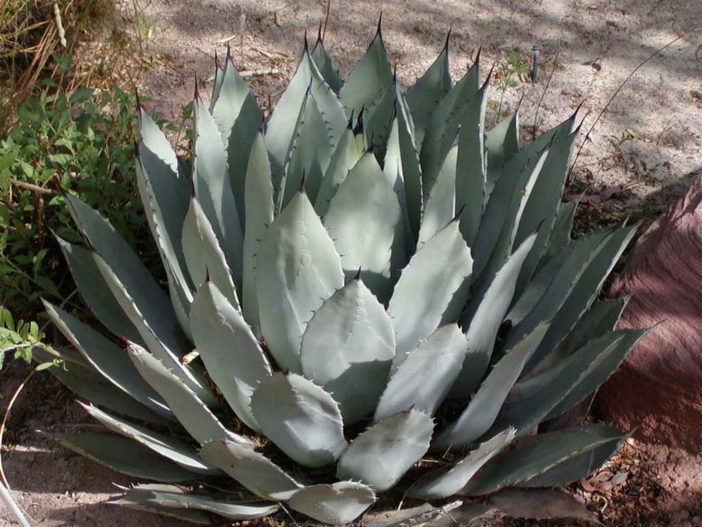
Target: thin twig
{"type": "Point", "coordinates": [326, 19]}
{"type": "Point", "coordinates": [616, 92]}
{"type": "Point", "coordinates": [543, 94]}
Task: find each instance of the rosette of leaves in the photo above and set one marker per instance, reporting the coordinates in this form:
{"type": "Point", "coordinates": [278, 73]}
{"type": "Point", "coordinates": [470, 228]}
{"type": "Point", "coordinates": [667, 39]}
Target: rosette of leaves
{"type": "Point", "coordinates": [363, 280]}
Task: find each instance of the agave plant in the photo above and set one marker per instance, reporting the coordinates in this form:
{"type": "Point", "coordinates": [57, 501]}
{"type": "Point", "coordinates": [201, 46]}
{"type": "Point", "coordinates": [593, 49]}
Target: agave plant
{"type": "Point", "coordinates": [366, 279]}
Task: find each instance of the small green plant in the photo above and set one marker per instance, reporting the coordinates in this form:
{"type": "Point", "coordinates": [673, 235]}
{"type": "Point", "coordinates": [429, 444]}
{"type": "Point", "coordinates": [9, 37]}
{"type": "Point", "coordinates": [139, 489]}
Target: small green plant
{"type": "Point", "coordinates": [81, 143]}
{"type": "Point", "coordinates": [385, 294]}
{"type": "Point", "coordinates": [17, 337]}
{"type": "Point", "coordinates": [509, 72]}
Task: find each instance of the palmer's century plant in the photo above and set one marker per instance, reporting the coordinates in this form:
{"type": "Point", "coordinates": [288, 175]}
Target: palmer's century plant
{"type": "Point", "coordinates": [367, 279]}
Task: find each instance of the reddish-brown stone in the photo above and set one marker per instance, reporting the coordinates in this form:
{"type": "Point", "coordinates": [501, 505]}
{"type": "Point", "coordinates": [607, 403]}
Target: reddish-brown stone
{"type": "Point", "coordinates": [659, 386]}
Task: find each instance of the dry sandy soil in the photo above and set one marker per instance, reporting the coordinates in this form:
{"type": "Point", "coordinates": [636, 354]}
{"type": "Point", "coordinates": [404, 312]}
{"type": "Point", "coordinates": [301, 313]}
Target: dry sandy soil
{"type": "Point", "coordinates": [643, 151]}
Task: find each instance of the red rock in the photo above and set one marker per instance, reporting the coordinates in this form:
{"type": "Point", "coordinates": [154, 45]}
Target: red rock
{"type": "Point", "coordinates": [659, 386]}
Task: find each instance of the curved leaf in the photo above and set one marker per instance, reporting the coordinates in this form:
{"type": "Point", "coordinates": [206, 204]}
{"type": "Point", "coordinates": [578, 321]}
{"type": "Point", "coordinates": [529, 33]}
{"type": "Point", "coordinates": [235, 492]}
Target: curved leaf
{"type": "Point", "coordinates": [440, 206]}
{"type": "Point", "coordinates": [347, 153]}
{"type": "Point", "coordinates": [229, 349]}
{"type": "Point", "coordinates": [107, 359]}
{"type": "Point", "coordinates": [89, 384]}
{"type": "Point", "coordinates": [153, 303]}
{"type": "Point", "coordinates": [366, 82]}
{"type": "Point", "coordinates": [258, 190]}
{"type": "Point", "coordinates": [232, 511]}
{"type": "Point", "coordinates": [203, 254]}
{"type": "Point", "coordinates": [214, 190]}
{"type": "Point", "coordinates": [471, 165]}
{"type": "Point", "coordinates": [192, 413]}
{"type": "Point", "coordinates": [426, 375]}
{"type": "Point", "coordinates": [251, 469]}
{"type": "Point", "coordinates": [301, 418]}
{"type": "Point", "coordinates": [298, 268]}
{"type": "Point", "coordinates": [534, 455]}
{"type": "Point", "coordinates": [338, 503]}
{"type": "Point", "coordinates": [483, 408]}
{"type": "Point", "coordinates": [95, 291]}
{"type": "Point", "coordinates": [347, 349]}
{"type": "Point", "coordinates": [125, 456]}
{"type": "Point", "coordinates": [168, 447]}
{"type": "Point", "coordinates": [483, 318]}
{"type": "Point", "coordinates": [238, 119]}
{"type": "Point", "coordinates": [426, 288]}
{"type": "Point", "coordinates": [381, 455]}
{"type": "Point", "coordinates": [325, 66]}
{"type": "Point", "coordinates": [164, 351]}
{"type": "Point", "coordinates": [449, 480]}
{"type": "Point", "coordinates": [424, 95]}
{"type": "Point", "coordinates": [137, 497]}
{"type": "Point", "coordinates": [364, 220]}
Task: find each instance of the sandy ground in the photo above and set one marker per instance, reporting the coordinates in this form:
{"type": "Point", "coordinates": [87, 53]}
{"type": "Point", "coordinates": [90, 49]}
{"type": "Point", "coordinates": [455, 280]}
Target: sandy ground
{"type": "Point", "coordinates": [644, 150]}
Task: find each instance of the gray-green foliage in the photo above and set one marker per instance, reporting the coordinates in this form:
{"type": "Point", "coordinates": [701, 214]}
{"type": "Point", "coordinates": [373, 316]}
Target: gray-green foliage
{"type": "Point", "coordinates": [351, 262]}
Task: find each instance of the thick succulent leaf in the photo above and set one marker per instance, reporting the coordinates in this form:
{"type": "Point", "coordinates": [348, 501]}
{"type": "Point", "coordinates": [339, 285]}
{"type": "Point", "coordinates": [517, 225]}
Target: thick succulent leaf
{"type": "Point", "coordinates": [251, 469]}
{"type": "Point", "coordinates": [309, 156]}
{"type": "Point", "coordinates": [365, 221]}
{"type": "Point", "coordinates": [576, 467]}
{"type": "Point", "coordinates": [214, 190]}
{"type": "Point", "coordinates": [347, 349]}
{"type": "Point", "coordinates": [283, 122]}
{"type": "Point", "coordinates": [204, 256]}
{"type": "Point", "coordinates": [440, 206]}
{"type": "Point", "coordinates": [169, 447]}
{"type": "Point", "coordinates": [471, 165]}
{"type": "Point", "coordinates": [381, 455]}
{"type": "Point", "coordinates": [153, 303]}
{"type": "Point", "coordinates": [599, 371]}
{"type": "Point", "coordinates": [297, 269]}
{"type": "Point", "coordinates": [347, 153]}
{"type": "Point", "coordinates": [163, 350]}
{"type": "Point", "coordinates": [534, 455]}
{"type": "Point", "coordinates": [325, 66]}
{"type": "Point", "coordinates": [338, 503]}
{"type": "Point", "coordinates": [483, 408]}
{"type": "Point", "coordinates": [137, 498]}
{"type": "Point", "coordinates": [95, 291]}
{"type": "Point", "coordinates": [238, 119]}
{"type": "Point", "coordinates": [496, 234]}
{"type": "Point", "coordinates": [91, 385]}
{"type": "Point", "coordinates": [443, 126]}
{"type": "Point", "coordinates": [447, 481]}
{"type": "Point", "coordinates": [178, 281]}
{"type": "Point", "coordinates": [371, 75]}
{"type": "Point", "coordinates": [424, 95]}
{"type": "Point", "coordinates": [560, 233]}
{"type": "Point", "coordinates": [377, 120]}
{"type": "Point", "coordinates": [585, 290]}
{"type": "Point", "coordinates": [125, 456]}
{"type": "Point", "coordinates": [258, 190]}
{"type": "Point", "coordinates": [580, 374]}
{"type": "Point", "coordinates": [229, 349]}
{"type": "Point", "coordinates": [232, 511]}
{"type": "Point", "coordinates": [192, 413]}
{"type": "Point", "coordinates": [599, 319]}
{"type": "Point", "coordinates": [545, 199]}
{"type": "Point", "coordinates": [165, 193]}
{"type": "Point", "coordinates": [551, 285]}
{"type": "Point", "coordinates": [426, 375]}
{"type": "Point", "coordinates": [426, 289]}
{"type": "Point", "coordinates": [401, 165]}
{"type": "Point", "coordinates": [502, 143]}
{"type": "Point", "coordinates": [302, 419]}
{"type": "Point", "coordinates": [482, 319]}
{"type": "Point", "coordinates": [106, 358]}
